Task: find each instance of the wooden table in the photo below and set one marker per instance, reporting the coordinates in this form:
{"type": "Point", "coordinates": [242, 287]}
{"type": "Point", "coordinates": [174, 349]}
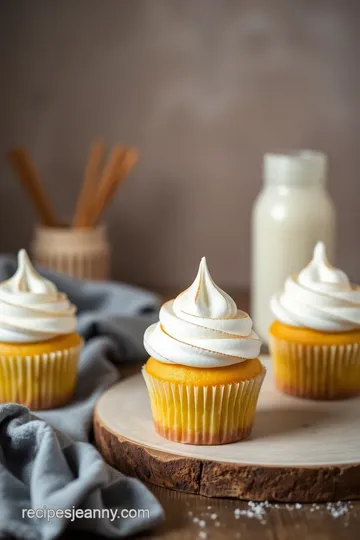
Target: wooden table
{"type": "Point", "coordinates": [192, 516]}
{"type": "Point", "coordinates": [279, 522]}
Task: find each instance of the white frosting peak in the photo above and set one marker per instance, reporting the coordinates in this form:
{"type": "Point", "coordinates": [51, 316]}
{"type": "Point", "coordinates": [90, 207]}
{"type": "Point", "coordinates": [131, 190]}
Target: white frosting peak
{"type": "Point", "coordinates": [202, 327]}
{"type": "Point", "coordinates": [320, 271]}
{"type": "Point", "coordinates": [31, 308]}
{"type": "Point", "coordinates": [204, 298]}
{"type": "Point", "coordinates": [321, 297]}
{"type": "Point", "coordinates": [26, 279]}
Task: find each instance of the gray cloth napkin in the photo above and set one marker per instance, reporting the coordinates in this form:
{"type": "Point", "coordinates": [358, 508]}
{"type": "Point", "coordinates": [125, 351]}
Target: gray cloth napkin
{"type": "Point", "coordinates": [46, 462]}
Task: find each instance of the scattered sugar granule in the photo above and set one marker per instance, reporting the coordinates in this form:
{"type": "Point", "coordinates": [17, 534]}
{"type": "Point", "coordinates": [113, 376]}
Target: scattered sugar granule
{"type": "Point", "coordinates": [202, 523]}
{"type": "Point", "coordinates": [217, 523]}
{"type": "Point", "coordinates": [338, 509]}
{"type": "Point", "coordinates": [209, 507]}
{"type": "Point", "coordinates": [202, 534]}
{"type": "Point", "coordinates": [190, 513]}
{"type": "Point", "coordinates": [213, 516]}
{"type": "Point", "coordinates": [256, 511]}
{"type": "Point", "coordinates": [196, 520]}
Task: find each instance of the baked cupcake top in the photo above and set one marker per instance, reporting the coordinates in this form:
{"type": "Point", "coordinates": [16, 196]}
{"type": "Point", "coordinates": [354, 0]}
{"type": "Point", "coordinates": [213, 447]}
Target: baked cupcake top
{"type": "Point", "coordinates": [202, 327]}
{"type": "Point", "coordinates": [31, 307]}
{"type": "Point", "coordinates": [320, 297]}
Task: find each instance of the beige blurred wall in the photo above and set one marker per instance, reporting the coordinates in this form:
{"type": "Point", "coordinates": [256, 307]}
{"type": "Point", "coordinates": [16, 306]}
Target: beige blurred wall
{"type": "Point", "coordinates": [203, 88]}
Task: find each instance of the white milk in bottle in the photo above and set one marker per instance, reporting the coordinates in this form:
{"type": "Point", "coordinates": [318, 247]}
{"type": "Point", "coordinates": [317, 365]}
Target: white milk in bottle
{"type": "Point", "coordinates": [290, 215]}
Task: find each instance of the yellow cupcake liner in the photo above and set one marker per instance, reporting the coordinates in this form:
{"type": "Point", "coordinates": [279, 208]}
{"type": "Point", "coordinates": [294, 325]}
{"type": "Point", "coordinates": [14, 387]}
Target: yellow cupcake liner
{"type": "Point", "coordinates": [316, 371]}
{"type": "Point", "coordinates": [39, 381]}
{"type": "Point", "coordinates": [203, 415]}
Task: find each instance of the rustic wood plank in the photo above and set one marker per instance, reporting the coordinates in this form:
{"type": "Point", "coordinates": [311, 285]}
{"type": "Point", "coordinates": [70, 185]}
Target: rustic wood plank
{"type": "Point", "coordinates": [219, 479]}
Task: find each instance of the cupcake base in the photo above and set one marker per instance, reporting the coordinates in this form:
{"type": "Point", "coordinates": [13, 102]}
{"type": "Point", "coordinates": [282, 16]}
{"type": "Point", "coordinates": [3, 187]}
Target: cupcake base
{"type": "Point", "coordinates": [204, 415]}
{"type": "Point", "coordinates": [315, 372]}
{"type": "Point", "coordinates": [40, 381]}
{"type": "Point", "coordinates": [222, 437]}
{"type": "Point", "coordinates": [326, 368]}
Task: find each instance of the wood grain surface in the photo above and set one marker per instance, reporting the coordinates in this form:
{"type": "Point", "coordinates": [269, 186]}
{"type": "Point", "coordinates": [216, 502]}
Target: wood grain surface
{"type": "Point", "coordinates": [221, 479]}
{"type": "Point", "coordinates": [279, 522]}
{"type": "Point", "coordinates": [299, 451]}
{"type": "Point", "coordinates": [189, 517]}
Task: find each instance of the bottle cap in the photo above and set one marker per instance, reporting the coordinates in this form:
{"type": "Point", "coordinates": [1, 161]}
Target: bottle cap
{"type": "Point", "coordinates": [296, 168]}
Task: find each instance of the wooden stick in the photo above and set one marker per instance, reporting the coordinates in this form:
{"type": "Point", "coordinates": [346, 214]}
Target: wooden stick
{"type": "Point", "coordinates": [23, 166]}
{"type": "Point", "coordinates": [121, 164]}
{"type": "Point", "coordinates": [86, 200]}
{"type": "Point", "coordinates": [107, 179]}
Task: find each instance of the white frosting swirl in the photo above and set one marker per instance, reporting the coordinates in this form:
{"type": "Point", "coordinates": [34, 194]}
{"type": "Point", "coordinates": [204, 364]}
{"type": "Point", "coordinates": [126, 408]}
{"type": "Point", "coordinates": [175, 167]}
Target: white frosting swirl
{"type": "Point", "coordinates": [31, 308]}
{"type": "Point", "coordinates": [321, 298]}
{"type": "Point", "coordinates": [202, 327]}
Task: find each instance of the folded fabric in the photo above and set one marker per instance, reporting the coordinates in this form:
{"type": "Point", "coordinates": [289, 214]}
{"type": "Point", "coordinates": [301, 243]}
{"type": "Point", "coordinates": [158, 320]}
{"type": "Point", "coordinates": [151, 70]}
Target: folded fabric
{"type": "Point", "coordinates": [44, 458]}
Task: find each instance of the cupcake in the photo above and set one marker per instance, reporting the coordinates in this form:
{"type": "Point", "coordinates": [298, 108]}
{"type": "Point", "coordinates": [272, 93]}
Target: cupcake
{"type": "Point", "coordinates": [203, 374]}
{"type": "Point", "coordinates": [315, 339]}
{"type": "Point", "coordinates": [39, 348]}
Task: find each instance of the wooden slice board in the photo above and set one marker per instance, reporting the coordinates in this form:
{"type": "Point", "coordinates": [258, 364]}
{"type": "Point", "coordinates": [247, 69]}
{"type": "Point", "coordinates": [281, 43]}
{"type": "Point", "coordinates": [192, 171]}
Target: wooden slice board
{"type": "Point", "coordinates": [299, 450]}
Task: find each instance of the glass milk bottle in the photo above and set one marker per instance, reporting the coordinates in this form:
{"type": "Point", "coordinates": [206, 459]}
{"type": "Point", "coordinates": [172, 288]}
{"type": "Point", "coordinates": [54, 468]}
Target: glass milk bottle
{"type": "Point", "coordinates": [291, 213]}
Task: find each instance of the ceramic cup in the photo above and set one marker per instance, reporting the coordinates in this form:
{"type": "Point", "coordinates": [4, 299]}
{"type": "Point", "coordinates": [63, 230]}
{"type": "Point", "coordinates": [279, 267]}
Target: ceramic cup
{"type": "Point", "coordinates": [82, 253]}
